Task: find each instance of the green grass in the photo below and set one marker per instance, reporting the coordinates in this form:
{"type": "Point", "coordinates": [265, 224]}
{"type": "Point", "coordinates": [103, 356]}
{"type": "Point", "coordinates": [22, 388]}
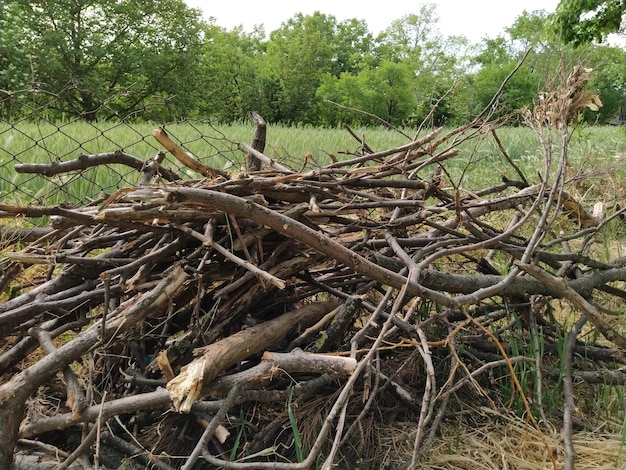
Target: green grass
{"type": "Point", "coordinates": [28, 142]}
{"type": "Point", "coordinates": [297, 440]}
{"type": "Point", "coordinates": [479, 164]}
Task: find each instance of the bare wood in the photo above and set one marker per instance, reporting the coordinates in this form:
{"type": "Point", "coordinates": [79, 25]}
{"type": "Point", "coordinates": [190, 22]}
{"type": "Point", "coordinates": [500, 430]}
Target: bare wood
{"type": "Point", "coordinates": [254, 235]}
{"type": "Point", "coordinates": [160, 215]}
{"type": "Point", "coordinates": [161, 136]}
{"type": "Point", "coordinates": [51, 259]}
{"type": "Point", "coordinates": [76, 400]}
{"type": "Point", "coordinates": [576, 210]}
{"type": "Point", "coordinates": [15, 392]}
{"type": "Point", "coordinates": [325, 363]}
{"type": "Point", "coordinates": [40, 211]}
{"type": "Point", "coordinates": [87, 161]}
{"type": "Point", "coordinates": [153, 168]}
{"type": "Point", "coordinates": [258, 141]}
{"type": "Point", "coordinates": [264, 158]}
{"type": "Point", "coordinates": [207, 239]}
{"type": "Point", "coordinates": [569, 404]}
{"type": "Point", "coordinates": [20, 350]}
{"type": "Point", "coordinates": [32, 304]}
{"type": "Point", "coordinates": [189, 385]}
{"type": "Point", "coordinates": [165, 366]}
{"type": "Point", "coordinates": [306, 235]}
{"type": "Point", "coordinates": [22, 234]}
{"type": "Point", "coordinates": [129, 404]}
{"type": "Point", "coordinates": [271, 367]}
{"type": "Point", "coordinates": [589, 310]}
{"type": "Point", "coordinates": [433, 281]}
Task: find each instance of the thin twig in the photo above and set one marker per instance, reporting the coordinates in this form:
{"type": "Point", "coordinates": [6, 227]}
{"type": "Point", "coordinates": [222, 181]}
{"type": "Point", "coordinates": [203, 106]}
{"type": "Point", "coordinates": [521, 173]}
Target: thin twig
{"type": "Point", "coordinates": [430, 390]}
{"type": "Point", "coordinates": [568, 395]}
{"type": "Point", "coordinates": [227, 404]}
{"type": "Point", "coordinates": [208, 240]}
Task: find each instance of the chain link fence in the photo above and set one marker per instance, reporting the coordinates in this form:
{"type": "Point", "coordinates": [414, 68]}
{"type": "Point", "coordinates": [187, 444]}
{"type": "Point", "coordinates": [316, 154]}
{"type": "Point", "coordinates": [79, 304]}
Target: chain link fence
{"type": "Point", "coordinates": [43, 127]}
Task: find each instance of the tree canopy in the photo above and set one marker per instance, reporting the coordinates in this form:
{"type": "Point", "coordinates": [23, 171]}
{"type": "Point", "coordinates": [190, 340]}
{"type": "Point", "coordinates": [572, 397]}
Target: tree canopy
{"type": "Point", "coordinates": [160, 60]}
{"type": "Point", "coordinates": [584, 21]}
{"type": "Point", "coordinates": [100, 50]}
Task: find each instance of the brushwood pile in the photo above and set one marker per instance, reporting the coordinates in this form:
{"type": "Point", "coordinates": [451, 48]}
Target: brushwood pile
{"type": "Point", "coordinates": [276, 316]}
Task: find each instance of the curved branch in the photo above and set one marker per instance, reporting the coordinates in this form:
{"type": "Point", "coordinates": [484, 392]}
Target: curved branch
{"type": "Point", "coordinates": [88, 161]}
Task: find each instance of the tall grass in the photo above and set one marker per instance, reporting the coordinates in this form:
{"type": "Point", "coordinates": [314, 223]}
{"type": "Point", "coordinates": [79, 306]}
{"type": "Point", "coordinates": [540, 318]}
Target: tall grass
{"type": "Point", "coordinates": [479, 163]}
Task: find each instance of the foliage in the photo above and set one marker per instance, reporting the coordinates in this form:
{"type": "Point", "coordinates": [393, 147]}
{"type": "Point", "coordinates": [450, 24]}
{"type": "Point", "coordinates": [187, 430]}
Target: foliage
{"type": "Point", "coordinates": [298, 54]}
{"type": "Point", "coordinates": [382, 91]}
{"type": "Point", "coordinates": [608, 80]}
{"type": "Point", "coordinates": [158, 60]}
{"type": "Point", "coordinates": [410, 36]}
{"type": "Point", "coordinates": [124, 52]}
{"type": "Point", "coordinates": [353, 46]}
{"type": "Point", "coordinates": [583, 21]}
{"type": "Point", "coordinates": [228, 67]}
{"type": "Point", "coordinates": [14, 57]}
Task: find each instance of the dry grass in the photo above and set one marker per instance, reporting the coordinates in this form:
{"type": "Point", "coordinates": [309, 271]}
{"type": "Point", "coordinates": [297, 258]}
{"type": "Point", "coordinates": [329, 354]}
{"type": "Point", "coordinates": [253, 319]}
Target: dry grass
{"type": "Point", "coordinates": [499, 442]}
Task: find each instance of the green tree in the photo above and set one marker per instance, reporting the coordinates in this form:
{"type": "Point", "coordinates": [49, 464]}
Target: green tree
{"type": "Point", "coordinates": [406, 78]}
{"type": "Point", "coordinates": [341, 98]}
{"type": "Point", "coordinates": [299, 53]}
{"type": "Point", "coordinates": [530, 31]}
{"type": "Point", "coordinates": [493, 51]}
{"type": "Point", "coordinates": [228, 81]}
{"type": "Point", "coordinates": [14, 54]}
{"type": "Point", "coordinates": [353, 47]}
{"type": "Point", "coordinates": [416, 41]}
{"type": "Point", "coordinates": [15, 70]}
{"type": "Point", "coordinates": [496, 59]}
{"type": "Point", "coordinates": [392, 82]}
{"type": "Point", "coordinates": [580, 22]}
{"type": "Point", "coordinates": [408, 36]}
{"type": "Point", "coordinates": [106, 58]}
{"type": "Point", "coordinates": [384, 91]}
{"type": "Point", "coordinates": [549, 54]}
{"type": "Point", "coordinates": [519, 92]}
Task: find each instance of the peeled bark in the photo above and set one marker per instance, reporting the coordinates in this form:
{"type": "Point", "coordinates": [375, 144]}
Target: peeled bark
{"type": "Point", "coordinates": [186, 388]}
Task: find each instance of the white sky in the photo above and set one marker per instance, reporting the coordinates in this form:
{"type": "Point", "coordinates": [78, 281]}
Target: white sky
{"type": "Point", "coordinates": [474, 19]}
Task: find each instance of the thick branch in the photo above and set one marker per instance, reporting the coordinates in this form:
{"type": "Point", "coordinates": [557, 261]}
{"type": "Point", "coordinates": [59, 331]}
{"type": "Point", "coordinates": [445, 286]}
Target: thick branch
{"type": "Point", "coordinates": [15, 392]}
{"type": "Point", "coordinates": [271, 367]}
{"type": "Point", "coordinates": [578, 301]}
{"type": "Point", "coordinates": [188, 386]}
{"type": "Point", "coordinates": [258, 141]}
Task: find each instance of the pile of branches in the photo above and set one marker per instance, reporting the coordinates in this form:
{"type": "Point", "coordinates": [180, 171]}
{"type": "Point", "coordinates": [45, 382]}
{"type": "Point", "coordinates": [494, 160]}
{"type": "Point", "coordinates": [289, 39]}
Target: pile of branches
{"type": "Point", "coordinates": [265, 319]}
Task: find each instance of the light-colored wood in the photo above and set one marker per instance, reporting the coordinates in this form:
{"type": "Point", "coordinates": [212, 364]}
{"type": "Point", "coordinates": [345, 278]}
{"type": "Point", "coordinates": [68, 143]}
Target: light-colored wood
{"type": "Point", "coordinates": [215, 358]}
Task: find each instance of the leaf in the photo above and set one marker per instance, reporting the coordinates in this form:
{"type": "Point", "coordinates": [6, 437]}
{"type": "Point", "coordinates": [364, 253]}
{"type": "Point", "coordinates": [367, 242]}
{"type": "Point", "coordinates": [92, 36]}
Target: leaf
{"type": "Point", "coordinates": [297, 440]}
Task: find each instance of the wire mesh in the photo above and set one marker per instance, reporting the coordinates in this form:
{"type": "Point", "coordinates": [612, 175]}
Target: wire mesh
{"type": "Point", "coordinates": [36, 127]}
